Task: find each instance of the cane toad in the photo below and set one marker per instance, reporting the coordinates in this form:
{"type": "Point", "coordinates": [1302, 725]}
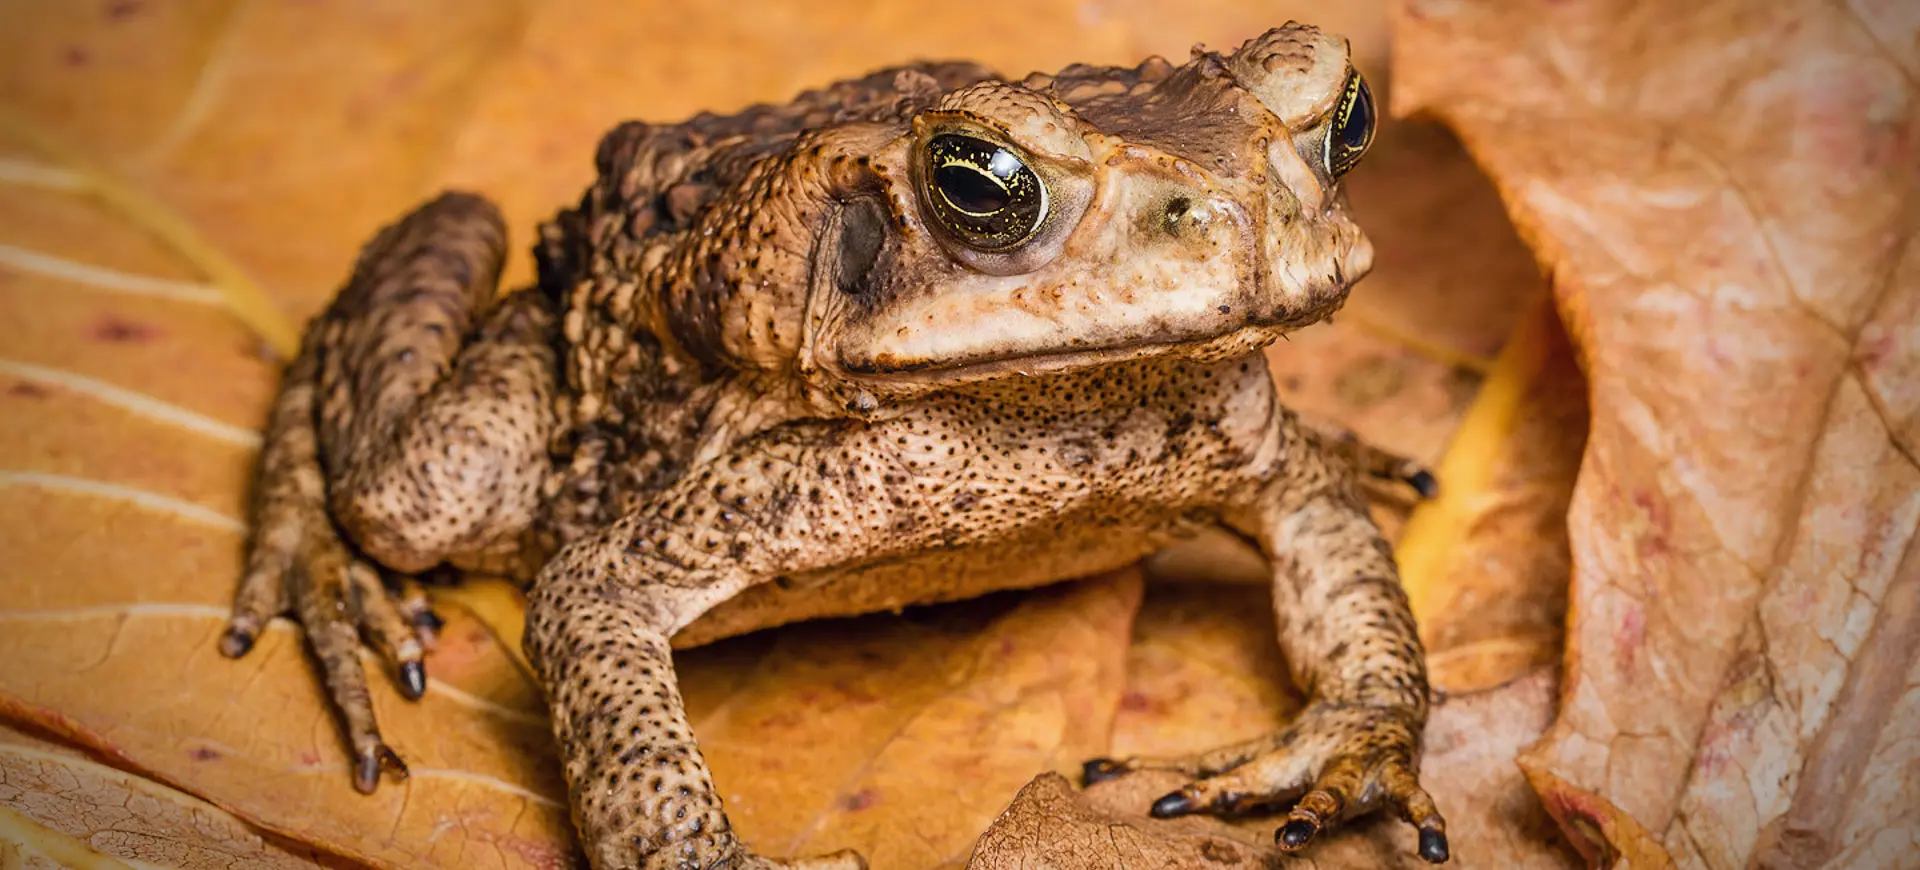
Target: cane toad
{"type": "Point", "coordinates": [909, 338]}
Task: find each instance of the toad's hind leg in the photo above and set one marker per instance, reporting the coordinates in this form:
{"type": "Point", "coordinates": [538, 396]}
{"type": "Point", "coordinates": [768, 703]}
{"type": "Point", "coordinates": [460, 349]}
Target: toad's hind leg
{"type": "Point", "coordinates": [415, 421]}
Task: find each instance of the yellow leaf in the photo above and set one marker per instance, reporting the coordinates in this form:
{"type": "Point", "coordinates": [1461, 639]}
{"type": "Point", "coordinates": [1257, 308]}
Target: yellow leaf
{"type": "Point", "coordinates": [1486, 563]}
{"type": "Point", "coordinates": [902, 738]}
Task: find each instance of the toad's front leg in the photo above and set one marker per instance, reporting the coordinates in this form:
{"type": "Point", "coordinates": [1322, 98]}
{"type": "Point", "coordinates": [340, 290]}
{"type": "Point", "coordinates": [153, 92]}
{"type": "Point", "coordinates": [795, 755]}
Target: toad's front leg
{"type": "Point", "coordinates": [1349, 639]}
{"type": "Point", "coordinates": [601, 613]}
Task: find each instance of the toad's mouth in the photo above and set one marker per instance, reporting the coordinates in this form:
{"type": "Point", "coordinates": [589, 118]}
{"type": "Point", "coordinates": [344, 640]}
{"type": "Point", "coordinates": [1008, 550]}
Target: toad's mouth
{"type": "Point", "coordinates": [1239, 342]}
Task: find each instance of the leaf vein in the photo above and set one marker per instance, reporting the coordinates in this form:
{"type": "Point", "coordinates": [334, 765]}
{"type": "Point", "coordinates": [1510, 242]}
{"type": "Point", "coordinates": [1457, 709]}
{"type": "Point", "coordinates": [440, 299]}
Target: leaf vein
{"type": "Point", "coordinates": [134, 402]}
{"type": "Point", "coordinates": [152, 501]}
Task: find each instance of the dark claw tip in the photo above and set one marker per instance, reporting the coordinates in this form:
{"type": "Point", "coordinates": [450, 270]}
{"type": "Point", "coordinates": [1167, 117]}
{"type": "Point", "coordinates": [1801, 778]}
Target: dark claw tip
{"type": "Point", "coordinates": [1423, 483]}
{"type": "Point", "coordinates": [1433, 847]}
{"type": "Point", "coordinates": [367, 768]}
{"type": "Point", "coordinates": [235, 643]}
{"type": "Point", "coordinates": [1295, 833]}
{"type": "Point", "coordinates": [413, 680]}
{"type": "Point", "coordinates": [1172, 804]}
{"type": "Point", "coordinates": [366, 772]}
{"type": "Point", "coordinates": [1100, 770]}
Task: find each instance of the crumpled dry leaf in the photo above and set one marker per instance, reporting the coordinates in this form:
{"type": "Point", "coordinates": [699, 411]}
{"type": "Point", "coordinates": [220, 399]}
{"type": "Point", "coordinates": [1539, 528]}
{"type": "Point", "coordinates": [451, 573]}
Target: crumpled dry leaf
{"type": "Point", "coordinates": [62, 808]}
{"type": "Point", "coordinates": [1723, 193]}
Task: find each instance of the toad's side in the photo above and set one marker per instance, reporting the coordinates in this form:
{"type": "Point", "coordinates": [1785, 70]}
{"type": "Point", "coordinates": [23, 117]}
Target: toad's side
{"type": "Point", "coordinates": [911, 338]}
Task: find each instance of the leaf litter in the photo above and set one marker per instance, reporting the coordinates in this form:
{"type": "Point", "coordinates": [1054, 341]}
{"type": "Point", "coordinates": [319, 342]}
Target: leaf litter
{"type": "Point", "coordinates": [1740, 311]}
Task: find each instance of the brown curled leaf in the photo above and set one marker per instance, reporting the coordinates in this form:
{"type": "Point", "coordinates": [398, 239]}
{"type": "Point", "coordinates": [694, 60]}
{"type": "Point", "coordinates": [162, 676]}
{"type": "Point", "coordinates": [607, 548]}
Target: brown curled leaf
{"type": "Point", "coordinates": [1723, 193]}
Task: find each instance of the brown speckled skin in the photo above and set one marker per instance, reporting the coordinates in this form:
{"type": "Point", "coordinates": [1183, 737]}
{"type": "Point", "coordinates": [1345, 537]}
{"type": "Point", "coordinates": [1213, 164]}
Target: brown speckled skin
{"type": "Point", "coordinates": [756, 383]}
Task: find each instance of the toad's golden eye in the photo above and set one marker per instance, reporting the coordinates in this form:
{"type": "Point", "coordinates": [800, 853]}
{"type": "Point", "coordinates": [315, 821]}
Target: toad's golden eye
{"type": "Point", "coordinates": [982, 193]}
{"type": "Point", "coordinates": [1352, 129]}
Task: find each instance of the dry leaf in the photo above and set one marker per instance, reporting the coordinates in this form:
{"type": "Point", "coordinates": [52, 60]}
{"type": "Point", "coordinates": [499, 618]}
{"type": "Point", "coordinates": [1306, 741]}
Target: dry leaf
{"type": "Point", "coordinates": [1723, 194]}
{"type": "Point", "coordinates": [131, 400]}
{"type": "Point", "coordinates": [1204, 670]}
{"type": "Point", "coordinates": [1052, 827]}
{"type": "Point", "coordinates": [287, 132]}
{"type": "Point", "coordinates": [142, 684]}
{"type": "Point", "coordinates": [904, 737]}
{"type": "Point", "coordinates": [59, 806]}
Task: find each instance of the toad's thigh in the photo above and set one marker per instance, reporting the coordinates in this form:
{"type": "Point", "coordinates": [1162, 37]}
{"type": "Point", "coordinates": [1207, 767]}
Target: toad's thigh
{"type": "Point", "coordinates": [431, 398]}
{"type": "Point", "coordinates": [458, 477]}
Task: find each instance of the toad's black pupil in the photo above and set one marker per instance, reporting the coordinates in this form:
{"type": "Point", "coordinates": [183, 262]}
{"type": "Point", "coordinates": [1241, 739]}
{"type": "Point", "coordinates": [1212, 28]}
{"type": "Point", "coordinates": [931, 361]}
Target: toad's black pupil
{"type": "Point", "coordinates": [1358, 129]}
{"type": "Point", "coordinates": [1352, 128]}
{"type": "Point", "coordinates": [981, 193]}
{"type": "Point", "coordinates": [971, 189]}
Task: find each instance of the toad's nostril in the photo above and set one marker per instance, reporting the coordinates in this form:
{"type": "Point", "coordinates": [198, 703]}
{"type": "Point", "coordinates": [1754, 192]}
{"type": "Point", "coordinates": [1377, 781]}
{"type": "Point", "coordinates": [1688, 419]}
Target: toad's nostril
{"type": "Point", "coordinates": [1176, 212]}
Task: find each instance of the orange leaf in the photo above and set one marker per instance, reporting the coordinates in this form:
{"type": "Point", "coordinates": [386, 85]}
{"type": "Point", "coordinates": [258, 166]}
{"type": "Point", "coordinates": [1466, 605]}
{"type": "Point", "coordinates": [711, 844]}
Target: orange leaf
{"type": "Point", "coordinates": [129, 412]}
{"type": "Point", "coordinates": [903, 737]}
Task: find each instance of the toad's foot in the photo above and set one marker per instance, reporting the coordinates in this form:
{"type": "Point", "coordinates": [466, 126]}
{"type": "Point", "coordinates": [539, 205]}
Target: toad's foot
{"type": "Point", "coordinates": [1389, 475]}
{"type": "Point", "coordinates": [1332, 764]}
{"type": "Point", "coordinates": [296, 563]}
